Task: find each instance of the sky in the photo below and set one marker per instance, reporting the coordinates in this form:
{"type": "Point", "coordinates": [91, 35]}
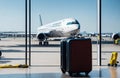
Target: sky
{"type": "Point", "coordinates": [12, 14]}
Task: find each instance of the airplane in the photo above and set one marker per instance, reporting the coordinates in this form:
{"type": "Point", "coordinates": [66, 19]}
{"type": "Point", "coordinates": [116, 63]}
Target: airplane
{"type": "Point", "coordinates": [68, 27]}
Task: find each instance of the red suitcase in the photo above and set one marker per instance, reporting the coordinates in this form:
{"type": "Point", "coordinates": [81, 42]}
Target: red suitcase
{"type": "Point", "coordinates": [78, 56]}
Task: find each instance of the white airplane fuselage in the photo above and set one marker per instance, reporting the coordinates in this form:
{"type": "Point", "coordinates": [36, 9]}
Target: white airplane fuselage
{"type": "Point", "coordinates": [63, 28]}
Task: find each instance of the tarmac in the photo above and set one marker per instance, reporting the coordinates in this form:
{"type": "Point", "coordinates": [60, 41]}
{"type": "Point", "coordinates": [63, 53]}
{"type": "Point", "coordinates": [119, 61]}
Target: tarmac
{"type": "Point", "coordinates": [45, 60]}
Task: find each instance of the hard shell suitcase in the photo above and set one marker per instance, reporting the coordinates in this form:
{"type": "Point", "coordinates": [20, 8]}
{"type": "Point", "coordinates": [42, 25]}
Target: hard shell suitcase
{"type": "Point", "coordinates": [63, 55]}
{"type": "Point", "coordinates": [77, 56]}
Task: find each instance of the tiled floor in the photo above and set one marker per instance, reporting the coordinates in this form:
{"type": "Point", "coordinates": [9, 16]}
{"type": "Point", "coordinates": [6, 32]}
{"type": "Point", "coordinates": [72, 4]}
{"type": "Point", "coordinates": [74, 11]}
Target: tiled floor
{"type": "Point", "coordinates": [46, 61]}
{"type": "Point", "coordinates": [55, 72]}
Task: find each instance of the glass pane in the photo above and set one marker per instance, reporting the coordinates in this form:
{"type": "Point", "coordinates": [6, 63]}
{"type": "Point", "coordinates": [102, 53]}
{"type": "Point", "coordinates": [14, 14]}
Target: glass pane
{"type": "Point", "coordinates": [84, 11]}
{"type": "Point", "coordinates": [110, 25]}
{"type": "Point", "coordinates": [12, 26]}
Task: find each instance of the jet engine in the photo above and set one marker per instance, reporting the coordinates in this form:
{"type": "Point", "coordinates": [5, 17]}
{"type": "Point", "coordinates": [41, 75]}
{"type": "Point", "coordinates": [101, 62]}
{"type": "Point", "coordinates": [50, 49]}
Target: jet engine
{"type": "Point", "coordinates": [116, 36]}
{"type": "Point", "coordinates": [41, 37]}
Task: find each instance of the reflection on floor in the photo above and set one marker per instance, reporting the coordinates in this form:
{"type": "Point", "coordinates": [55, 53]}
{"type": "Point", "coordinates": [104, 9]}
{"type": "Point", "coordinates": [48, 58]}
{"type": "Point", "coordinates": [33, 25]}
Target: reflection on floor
{"type": "Point", "coordinates": [55, 72]}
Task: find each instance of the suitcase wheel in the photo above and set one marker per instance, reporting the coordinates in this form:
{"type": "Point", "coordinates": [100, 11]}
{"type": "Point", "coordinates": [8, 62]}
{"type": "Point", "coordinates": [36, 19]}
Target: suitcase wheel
{"type": "Point", "coordinates": [78, 74]}
{"type": "Point", "coordinates": [86, 73]}
{"type": "Point", "coordinates": [109, 64]}
{"type": "Point", "coordinates": [70, 73]}
{"type": "Point", "coordinates": [63, 71]}
{"type": "Point", "coordinates": [115, 65]}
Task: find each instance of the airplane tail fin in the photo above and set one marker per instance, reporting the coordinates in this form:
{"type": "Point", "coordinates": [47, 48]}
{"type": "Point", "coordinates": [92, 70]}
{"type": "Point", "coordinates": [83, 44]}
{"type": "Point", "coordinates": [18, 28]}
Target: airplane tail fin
{"type": "Point", "coordinates": [40, 20]}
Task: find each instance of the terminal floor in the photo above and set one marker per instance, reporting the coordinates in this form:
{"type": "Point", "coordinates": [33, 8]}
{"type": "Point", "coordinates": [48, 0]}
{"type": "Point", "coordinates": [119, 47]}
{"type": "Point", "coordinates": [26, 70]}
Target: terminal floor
{"type": "Point", "coordinates": [36, 71]}
{"type": "Point", "coordinates": [47, 65]}
{"type": "Point", "coordinates": [46, 61]}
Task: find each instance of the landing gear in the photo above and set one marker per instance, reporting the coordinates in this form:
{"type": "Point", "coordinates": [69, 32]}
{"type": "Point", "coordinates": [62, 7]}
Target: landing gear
{"type": "Point", "coordinates": [46, 43]}
{"type": "Point", "coordinates": [40, 43]}
{"type": "Point", "coordinates": [43, 43]}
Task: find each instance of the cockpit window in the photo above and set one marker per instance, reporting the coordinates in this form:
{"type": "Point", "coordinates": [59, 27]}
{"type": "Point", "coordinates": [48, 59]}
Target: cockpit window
{"type": "Point", "coordinates": [73, 22]}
